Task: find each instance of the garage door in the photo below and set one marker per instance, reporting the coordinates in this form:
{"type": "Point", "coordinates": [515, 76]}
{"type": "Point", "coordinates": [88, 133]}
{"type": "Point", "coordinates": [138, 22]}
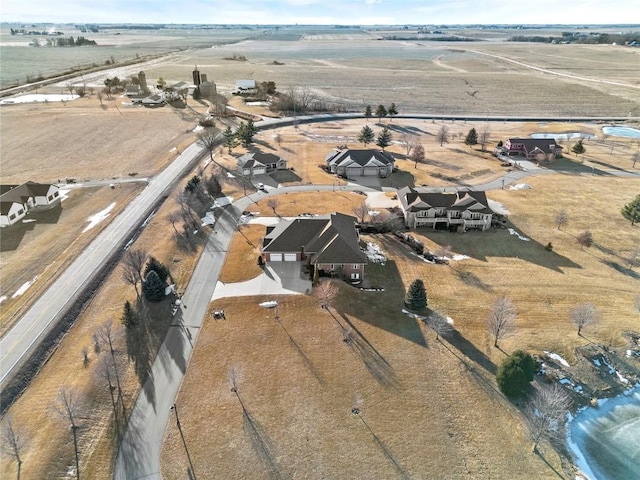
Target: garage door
{"type": "Point", "coordinates": [370, 171]}
{"type": "Point", "coordinates": [354, 172]}
{"type": "Point", "coordinates": [290, 257]}
{"type": "Point", "coordinates": [275, 257]}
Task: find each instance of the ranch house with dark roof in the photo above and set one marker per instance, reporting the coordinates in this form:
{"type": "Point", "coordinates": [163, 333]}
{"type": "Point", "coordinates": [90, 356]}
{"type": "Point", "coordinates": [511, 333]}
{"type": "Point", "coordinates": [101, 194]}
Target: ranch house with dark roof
{"type": "Point", "coordinates": [534, 148]}
{"type": "Point", "coordinates": [330, 243]}
{"type": "Point", "coordinates": [257, 163]}
{"type": "Point", "coordinates": [360, 163]}
{"type": "Point", "coordinates": [422, 208]}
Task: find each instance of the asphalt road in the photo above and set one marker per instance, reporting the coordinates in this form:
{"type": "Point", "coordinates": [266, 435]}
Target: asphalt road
{"type": "Point", "coordinates": [20, 341]}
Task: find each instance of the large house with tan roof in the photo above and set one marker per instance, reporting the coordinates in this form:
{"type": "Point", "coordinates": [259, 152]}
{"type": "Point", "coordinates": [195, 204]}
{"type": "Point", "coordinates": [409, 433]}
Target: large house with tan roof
{"type": "Point", "coordinates": [17, 200]}
{"type": "Point", "coordinates": [330, 243]}
{"type": "Point", "coordinates": [423, 208]}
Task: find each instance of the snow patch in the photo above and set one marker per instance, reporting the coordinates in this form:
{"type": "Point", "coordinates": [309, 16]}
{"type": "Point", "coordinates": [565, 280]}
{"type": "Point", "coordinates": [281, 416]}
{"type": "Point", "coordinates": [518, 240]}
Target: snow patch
{"type": "Point", "coordinates": [3, 298]}
{"type": "Point", "coordinates": [271, 304]}
{"type": "Point", "coordinates": [612, 370]}
{"type": "Point", "coordinates": [222, 202]}
{"type": "Point", "coordinates": [374, 254]}
{"type": "Point", "coordinates": [450, 320]}
{"type": "Point", "coordinates": [457, 258]}
{"type": "Point", "coordinates": [565, 381]}
{"type": "Point", "coordinates": [208, 219]}
{"type": "Point", "coordinates": [98, 217]}
{"type": "Point", "coordinates": [413, 315]}
{"type": "Point", "coordinates": [230, 175]}
{"type": "Point", "coordinates": [557, 358]}
{"type": "Point", "coordinates": [24, 287]}
{"type": "Point", "coordinates": [198, 128]}
{"type": "Point", "coordinates": [520, 186]}
{"type": "Point", "coordinates": [40, 98]}
{"type": "Point", "coordinates": [521, 237]}
{"type": "Point", "coordinates": [28, 220]}
{"type": "Point", "coordinates": [596, 362]}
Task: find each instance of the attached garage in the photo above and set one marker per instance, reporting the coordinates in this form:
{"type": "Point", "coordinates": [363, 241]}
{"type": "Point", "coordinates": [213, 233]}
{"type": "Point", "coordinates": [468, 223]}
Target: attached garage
{"type": "Point", "coordinates": [354, 172]}
{"type": "Point", "coordinates": [275, 257]}
{"type": "Point", "coordinates": [290, 257]}
{"type": "Point", "coordinates": [369, 171]}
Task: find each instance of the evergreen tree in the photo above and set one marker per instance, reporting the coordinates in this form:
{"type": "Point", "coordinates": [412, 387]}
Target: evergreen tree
{"type": "Point", "coordinates": [381, 112]}
{"type": "Point", "coordinates": [416, 298]}
{"type": "Point", "coordinates": [366, 135]}
{"type": "Point", "coordinates": [161, 270]}
{"type": "Point", "coordinates": [129, 315]}
{"type": "Point", "coordinates": [392, 110]}
{"type": "Point", "coordinates": [230, 139]}
{"type": "Point", "coordinates": [153, 287]}
{"type": "Point", "coordinates": [245, 133]}
{"type": "Point", "coordinates": [631, 211]}
{"type": "Point", "coordinates": [384, 138]}
{"type": "Point", "coordinates": [515, 373]}
{"type": "Point", "coordinates": [367, 112]}
{"type": "Point", "coordinates": [472, 137]}
{"type": "Point", "coordinates": [578, 148]}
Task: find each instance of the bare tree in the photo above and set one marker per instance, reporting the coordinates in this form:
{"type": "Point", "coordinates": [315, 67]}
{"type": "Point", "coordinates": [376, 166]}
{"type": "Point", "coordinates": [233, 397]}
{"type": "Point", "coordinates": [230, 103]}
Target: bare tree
{"type": "Point", "coordinates": [634, 258]}
{"type": "Point", "coordinates": [85, 357]}
{"type": "Point", "coordinates": [325, 292]}
{"type": "Point", "coordinates": [439, 323]}
{"type": "Point", "coordinates": [443, 135]}
{"type": "Point", "coordinates": [387, 221]}
{"type": "Point", "coordinates": [562, 218]}
{"type": "Point", "coordinates": [501, 320]}
{"type": "Point", "coordinates": [417, 155]}
{"type": "Point", "coordinates": [585, 239]}
{"type": "Point", "coordinates": [104, 372]}
{"type": "Point", "coordinates": [107, 335]}
{"type": "Point", "coordinates": [14, 441]}
{"type": "Point", "coordinates": [208, 139]}
{"type": "Point", "coordinates": [278, 138]}
{"type": "Point", "coordinates": [583, 315]}
{"type": "Point", "coordinates": [634, 158]}
{"type": "Point", "coordinates": [68, 405]}
{"type": "Point", "coordinates": [132, 264]}
{"type": "Point", "coordinates": [174, 217]}
{"type": "Point", "coordinates": [409, 141]}
{"type": "Point", "coordinates": [546, 413]}
{"type": "Point", "coordinates": [361, 211]}
{"type": "Point", "coordinates": [272, 203]}
{"type": "Point", "coordinates": [483, 138]}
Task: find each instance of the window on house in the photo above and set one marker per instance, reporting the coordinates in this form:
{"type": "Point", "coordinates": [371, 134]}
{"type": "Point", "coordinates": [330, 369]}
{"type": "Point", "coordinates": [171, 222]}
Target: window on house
{"type": "Point", "coordinates": [332, 267]}
{"type": "Point", "coordinates": [355, 266]}
{"type": "Point", "coordinates": [12, 217]}
{"type": "Point", "coordinates": [55, 194]}
{"type": "Point", "coordinates": [355, 276]}
{"type": "Point", "coordinates": [50, 197]}
{"type": "Point", "coordinates": [20, 211]}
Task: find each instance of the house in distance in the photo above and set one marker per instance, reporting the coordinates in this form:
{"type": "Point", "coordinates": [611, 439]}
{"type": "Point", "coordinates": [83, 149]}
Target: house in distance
{"type": "Point", "coordinates": [360, 163]}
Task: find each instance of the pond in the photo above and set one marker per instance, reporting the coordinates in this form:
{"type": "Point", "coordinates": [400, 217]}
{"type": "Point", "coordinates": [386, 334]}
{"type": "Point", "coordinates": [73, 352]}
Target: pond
{"type": "Point", "coordinates": [563, 136]}
{"type": "Point", "coordinates": [626, 132]}
{"type": "Point", "coordinates": [605, 441]}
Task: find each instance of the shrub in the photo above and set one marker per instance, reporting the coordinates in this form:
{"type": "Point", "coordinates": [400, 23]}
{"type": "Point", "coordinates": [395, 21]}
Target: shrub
{"type": "Point", "coordinates": [548, 247]}
{"type": "Point", "coordinates": [416, 298]}
{"type": "Point", "coordinates": [515, 373]}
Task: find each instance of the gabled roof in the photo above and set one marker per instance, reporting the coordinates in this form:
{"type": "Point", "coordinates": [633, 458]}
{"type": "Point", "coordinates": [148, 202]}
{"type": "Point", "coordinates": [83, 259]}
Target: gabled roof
{"type": "Point", "coordinates": [257, 159]}
{"type": "Point", "coordinates": [21, 193]}
{"type": "Point", "coordinates": [546, 145]}
{"type": "Point", "coordinates": [330, 238]}
{"type": "Point", "coordinates": [363, 158]}
{"type": "Point", "coordinates": [416, 200]}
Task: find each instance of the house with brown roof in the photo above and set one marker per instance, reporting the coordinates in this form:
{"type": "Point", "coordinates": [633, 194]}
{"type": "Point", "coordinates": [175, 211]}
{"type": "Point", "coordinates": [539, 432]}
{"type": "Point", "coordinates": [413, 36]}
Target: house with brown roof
{"type": "Point", "coordinates": [258, 163]}
{"type": "Point", "coordinates": [360, 163]}
{"type": "Point", "coordinates": [534, 148]}
{"type": "Point", "coordinates": [423, 208]}
{"type": "Point", "coordinates": [330, 243]}
{"type": "Point", "coordinates": [17, 200]}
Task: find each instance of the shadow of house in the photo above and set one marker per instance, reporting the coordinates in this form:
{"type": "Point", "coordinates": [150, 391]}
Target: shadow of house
{"type": "Point", "coordinates": [500, 243]}
{"type": "Point", "coordinates": [285, 176]}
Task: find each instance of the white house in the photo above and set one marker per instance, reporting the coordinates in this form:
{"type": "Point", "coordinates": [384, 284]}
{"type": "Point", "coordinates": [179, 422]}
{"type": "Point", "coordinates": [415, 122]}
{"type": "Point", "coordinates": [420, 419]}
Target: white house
{"type": "Point", "coordinates": [17, 200]}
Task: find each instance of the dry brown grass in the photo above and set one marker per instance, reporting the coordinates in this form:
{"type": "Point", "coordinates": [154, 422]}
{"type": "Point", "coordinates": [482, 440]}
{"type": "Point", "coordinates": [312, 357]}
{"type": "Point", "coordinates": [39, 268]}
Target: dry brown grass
{"type": "Point", "coordinates": [244, 250]}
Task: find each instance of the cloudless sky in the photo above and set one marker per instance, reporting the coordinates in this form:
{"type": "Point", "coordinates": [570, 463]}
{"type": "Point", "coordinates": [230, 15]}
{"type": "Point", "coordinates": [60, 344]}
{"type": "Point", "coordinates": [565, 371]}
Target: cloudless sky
{"type": "Point", "coordinates": [323, 12]}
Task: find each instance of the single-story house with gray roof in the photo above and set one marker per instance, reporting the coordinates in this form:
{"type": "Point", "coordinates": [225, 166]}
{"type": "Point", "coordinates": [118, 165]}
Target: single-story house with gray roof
{"type": "Point", "coordinates": [17, 200]}
{"type": "Point", "coordinates": [258, 163]}
{"type": "Point", "coordinates": [330, 243]}
{"type": "Point", "coordinates": [360, 163]}
{"type": "Point", "coordinates": [422, 208]}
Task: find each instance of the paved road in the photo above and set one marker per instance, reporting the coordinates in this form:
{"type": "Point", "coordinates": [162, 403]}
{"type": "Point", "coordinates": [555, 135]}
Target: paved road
{"type": "Point", "coordinates": [20, 341]}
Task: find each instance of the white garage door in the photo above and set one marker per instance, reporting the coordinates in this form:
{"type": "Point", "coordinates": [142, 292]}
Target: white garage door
{"type": "Point", "coordinates": [290, 257]}
{"type": "Point", "coordinates": [275, 257]}
{"type": "Point", "coordinates": [370, 171]}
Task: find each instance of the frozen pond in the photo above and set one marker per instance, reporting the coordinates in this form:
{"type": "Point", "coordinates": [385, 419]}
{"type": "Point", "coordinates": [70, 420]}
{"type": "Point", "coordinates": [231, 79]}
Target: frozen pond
{"type": "Point", "coordinates": [605, 441]}
{"type": "Point", "coordinates": [40, 98]}
{"type": "Point", "coordinates": [563, 136]}
{"type": "Point", "coordinates": [627, 132]}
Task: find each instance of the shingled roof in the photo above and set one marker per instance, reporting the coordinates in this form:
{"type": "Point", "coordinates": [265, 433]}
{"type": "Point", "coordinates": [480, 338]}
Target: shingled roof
{"type": "Point", "coordinates": [329, 238]}
{"type": "Point", "coordinates": [415, 200]}
{"type": "Point", "coordinates": [363, 158]}
{"type": "Point", "coordinates": [546, 145]}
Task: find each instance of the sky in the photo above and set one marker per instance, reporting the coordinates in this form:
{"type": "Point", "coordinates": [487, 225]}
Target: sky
{"type": "Point", "coordinates": [323, 12]}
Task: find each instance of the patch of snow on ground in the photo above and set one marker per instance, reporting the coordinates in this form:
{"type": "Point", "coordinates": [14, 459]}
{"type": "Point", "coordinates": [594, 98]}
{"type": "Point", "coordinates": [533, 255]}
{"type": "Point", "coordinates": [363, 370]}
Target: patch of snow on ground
{"type": "Point", "coordinates": [457, 258]}
{"type": "Point", "coordinates": [596, 362]}
{"type": "Point", "coordinates": [271, 304]}
{"type": "Point", "coordinates": [521, 237]}
{"type": "Point", "coordinates": [374, 254]}
{"type": "Point", "coordinates": [373, 213]}
{"type": "Point", "coordinates": [557, 358]}
{"type": "Point", "coordinates": [497, 207]}
{"type": "Point", "coordinates": [613, 370]}
{"type": "Point", "coordinates": [222, 202]}
{"type": "Point", "coordinates": [40, 98]}
{"type": "Point", "coordinates": [198, 128]}
{"type": "Point", "coordinates": [565, 381]}
{"type": "Point", "coordinates": [266, 221]}
{"type": "Point", "coordinates": [520, 186]}
{"type": "Point", "coordinates": [24, 287]}
{"type": "Point", "coordinates": [208, 219]}
{"type": "Point", "coordinates": [64, 194]}
{"type": "Point", "coordinates": [98, 217]}
{"type": "Point", "coordinates": [3, 298]}
{"type": "Point", "coordinates": [28, 220]}
{"type": "Point", "coordinates": [230, 175]}
{"type": "Point", "coordinates": [450, 320]}
{"type": "Point", "coordinates": [413, 315]}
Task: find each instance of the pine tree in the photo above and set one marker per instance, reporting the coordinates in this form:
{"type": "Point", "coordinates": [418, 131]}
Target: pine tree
{"type": "Point", "coordinates": [416, 298]}
{"type": "Point", "coordinates": [129, 315]}
{"type": "Point", "coordinates": [161, 270]}
{"type": "Point", "coordinates": [578, 148]}
{"type": "Point", "coordinates": [366, 135]}
{"type": "Point", "coordinates": [230, 139]}
{"type": "Point", "coordinates": [515, 373]}
{"type": "Point", "coordinates": [384, 138]}
{"type": "Point", "coordinates": [153, 287]}
{"type": "Point", "coordinates": [472, 137]}
{"type": "Point", "coordinates": [392, 110]}
{"type": "Point", "coordinates": [631, 211]}
{"type": "Point", "coordinates": [381, 112]}
{"type": "Point", "coordinates": [367, 112]}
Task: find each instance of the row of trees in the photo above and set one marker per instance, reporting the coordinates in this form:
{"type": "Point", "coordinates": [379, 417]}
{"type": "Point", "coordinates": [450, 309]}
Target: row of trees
{"type": "Point", "coordinates": [381, 111]}
{"type": "Point", "coordinates": [367, 136]}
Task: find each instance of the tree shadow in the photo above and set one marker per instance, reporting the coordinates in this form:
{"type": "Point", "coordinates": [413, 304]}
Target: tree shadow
{"type": "Point", "coordinates": [398, 179]}
{"type": "Point", "coordinates": [471, 279]}
{"type": "Point", "coordinates": [285, 176]}
{"type": "Point", "coordinates": [621, 269]}
{"type": "Point", "coordinates": [305, 359]}
{"type": "Point", "coordinates": [387, 453]}
{"type": "Point", "coordinates": [500, 243]}
{"type": "Point", "coordinates": [131, 450]}
{"type": "Point", "coordinates": [469, 350]}
{"type": "Point", "coordinates": [542, 457]}
{"type": "Point", "coordinates": [375, 363]}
